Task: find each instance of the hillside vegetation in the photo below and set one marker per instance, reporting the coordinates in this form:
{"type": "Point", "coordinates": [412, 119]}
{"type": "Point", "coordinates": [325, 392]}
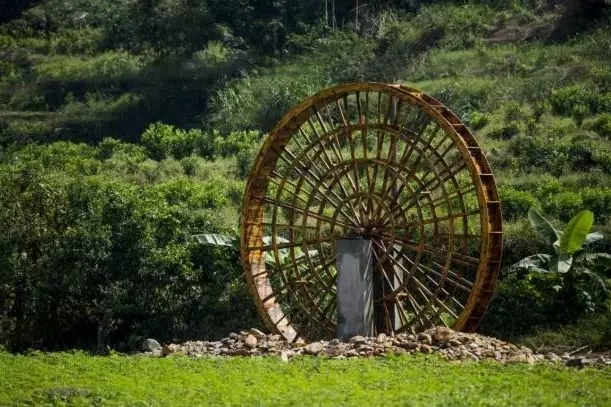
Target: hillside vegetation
{"type": "Point", "coordinates": [126, 127]}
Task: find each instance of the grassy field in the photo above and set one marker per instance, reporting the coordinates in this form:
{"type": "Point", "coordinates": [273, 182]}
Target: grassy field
{"type": "Point", "coordinates": [76, 379]}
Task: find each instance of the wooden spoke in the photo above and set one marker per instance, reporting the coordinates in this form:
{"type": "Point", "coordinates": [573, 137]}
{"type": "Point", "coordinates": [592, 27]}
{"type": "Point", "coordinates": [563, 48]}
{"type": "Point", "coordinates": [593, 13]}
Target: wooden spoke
{"type": "Point", "coordinates": [386, 163]}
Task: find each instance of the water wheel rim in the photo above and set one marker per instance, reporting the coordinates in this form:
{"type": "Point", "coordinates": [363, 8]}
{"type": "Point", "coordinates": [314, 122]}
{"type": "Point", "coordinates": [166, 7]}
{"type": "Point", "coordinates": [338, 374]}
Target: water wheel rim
{"type": "Point", "coordinates": [288, 308]}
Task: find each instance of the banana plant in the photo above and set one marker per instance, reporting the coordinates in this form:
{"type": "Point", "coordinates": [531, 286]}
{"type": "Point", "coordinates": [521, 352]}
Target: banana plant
{"type": "Point", "coordinates": [571, 261]}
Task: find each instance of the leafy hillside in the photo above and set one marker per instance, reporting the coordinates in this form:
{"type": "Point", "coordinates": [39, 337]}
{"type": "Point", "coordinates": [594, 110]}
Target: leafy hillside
{"type": "Point", "coordinates": [128, 126]}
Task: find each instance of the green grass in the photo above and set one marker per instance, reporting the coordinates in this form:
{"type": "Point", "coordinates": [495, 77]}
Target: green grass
{"type": "Point", "coordinates": [66, 379]}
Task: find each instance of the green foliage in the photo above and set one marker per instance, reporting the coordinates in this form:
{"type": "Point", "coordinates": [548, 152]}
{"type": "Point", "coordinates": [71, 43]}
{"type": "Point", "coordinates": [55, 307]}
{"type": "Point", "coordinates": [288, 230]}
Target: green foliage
{"type": "Point", "coordinates": [236, 142]}
{"type": "Point", "coordinates": [88, 261]}
{"type": "Point", "coordinates": [164, 140]}
{"type": "Point", "coordinates": [577, 275]}
{"type": "Point", "coordinates": [563, 205]}
{"type": "Point", "coordinates": [599, 200]}
{"type": "Point", "coordinates": [515, 202]}
{"type": "Point", "coordinates": [602, 126]}
{"type": "Point", "coordinates": [577, 100]}
{"type": "Point", "coordinates": [111, 66]}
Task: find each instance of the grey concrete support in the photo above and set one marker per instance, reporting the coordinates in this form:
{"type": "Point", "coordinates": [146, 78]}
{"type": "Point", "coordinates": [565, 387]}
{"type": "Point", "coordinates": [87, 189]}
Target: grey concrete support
{"type": "Point", "coordinates": [355, 312]}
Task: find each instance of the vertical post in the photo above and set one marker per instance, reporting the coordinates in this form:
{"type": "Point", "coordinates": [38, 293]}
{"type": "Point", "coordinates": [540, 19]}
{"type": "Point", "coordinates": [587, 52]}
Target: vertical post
{"type": "Point", "coordinates": [355, 313]}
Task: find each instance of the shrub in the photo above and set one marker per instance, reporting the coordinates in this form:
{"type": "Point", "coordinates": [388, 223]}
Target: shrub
{"type": "Point", "coordinates": [236, 142]}
{"type": "Point", "coordinates": [515, 203]}
{"type": "Point", "coordinates": [477, 120]}
{"type": "Point", "coordinates": [88, 262]}
{"type": "Point", "coordinates": [577, 101]}
{"type": "Point", "coordinates": [598, 200]}
{"type": "Point", "coordinates": [112, 66]}
{"type": "Point", "coordinates": [563, 205]}
{"type": "Point", "coordinates": [602, 126]}
{"type": "Point", "coordinates": [520, 306]}
{"type": "Point", "coordinates": [164, 140]}
{"type": "Point", "coordinates": [602, 159]}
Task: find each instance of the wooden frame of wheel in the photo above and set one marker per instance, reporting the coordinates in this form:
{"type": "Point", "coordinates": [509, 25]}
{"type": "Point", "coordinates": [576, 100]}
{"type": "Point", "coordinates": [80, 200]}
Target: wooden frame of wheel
{"type": "Point", "coordinates": [381, 162]}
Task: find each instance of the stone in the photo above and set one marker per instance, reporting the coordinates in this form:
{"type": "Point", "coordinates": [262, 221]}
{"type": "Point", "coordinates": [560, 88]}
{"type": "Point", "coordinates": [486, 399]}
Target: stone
{"type": "Point", "coordinates": [454, 342]}
{"type": "Point", "coordinates": [552, 357]}
{"type": "Point", "coordinates": [521, 358]}
{"type": "Point", "coordinates": [284, 356]}
{"type": "Point", "coordinates": [425, 338]}
{"type": "Point", "coordinates": [576, 362]}
{"type": "Point", "coordinates": [381, 338]}
{"type": "Point", "coordinates": [426, 349]}
{"type": "Point", "coordinates": [333, 351]}
{"type": "Point", "coordinates": [442, 334]}
{"type": "Point", "coordinates": [234, 335]}
{"type": "Point", "coordinates": [150, 345]}
{"type": "Point", "coordinates": [257, 333]}
{"type": "Point", "coordinates": [358, 339]}
{"type": "Point", "coordinates": [250, 341]}
{"type": "Point", "coordinates": [334, 342]}
{"type": "Point", "coordinates": [314, 348]}
{"type": "Point", "coordinates": [241, 352]}
{"type": "Point", "coordinates": [166, 350]}
{"type": "Point", "coordinates": [408, 345]}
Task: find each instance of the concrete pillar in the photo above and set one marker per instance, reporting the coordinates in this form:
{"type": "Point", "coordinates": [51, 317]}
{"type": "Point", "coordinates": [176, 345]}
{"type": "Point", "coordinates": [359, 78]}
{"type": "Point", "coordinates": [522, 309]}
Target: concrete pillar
{"type": "Point", "coordinates": [355, 312]}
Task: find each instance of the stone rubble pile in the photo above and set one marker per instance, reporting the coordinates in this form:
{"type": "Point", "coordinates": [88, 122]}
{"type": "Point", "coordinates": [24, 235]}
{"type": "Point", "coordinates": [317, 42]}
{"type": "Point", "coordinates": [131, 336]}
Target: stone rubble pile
{"type": "Point", "coordinates": [456, 346]}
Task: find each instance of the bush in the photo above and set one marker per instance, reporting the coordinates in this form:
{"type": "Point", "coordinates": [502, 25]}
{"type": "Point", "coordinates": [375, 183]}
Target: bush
{"type": "Point", "coordinates": [602, 126]}
{"type": "Point", "coordinates": [515, 203]}
{"type": "Point", "coordinates": [577, 101]}
{"type": "Point", "coordinates": [164, 140]}
{"type": "Point", "coordinates": [518, 307]}
{"type": "Point", "coordinates": [236, 142]}
{"type": "Point", "coordinates": [86, 261]}
{"type": "Point", "coordinates": [602, 159]}
{"type": "Point", "coordinates": [598, 200]}
{"type": "Point", "coordinates": [563, 205]}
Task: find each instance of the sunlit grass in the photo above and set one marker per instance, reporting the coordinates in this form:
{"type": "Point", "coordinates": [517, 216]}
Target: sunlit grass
{"type": "Point", "coordinates": [77, 379]}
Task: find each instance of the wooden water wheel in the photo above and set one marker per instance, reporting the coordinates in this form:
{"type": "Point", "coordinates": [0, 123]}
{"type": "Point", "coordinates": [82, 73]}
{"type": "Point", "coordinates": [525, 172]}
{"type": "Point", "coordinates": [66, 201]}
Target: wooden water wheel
{"type": "Point", "coordinates": [387, 163]}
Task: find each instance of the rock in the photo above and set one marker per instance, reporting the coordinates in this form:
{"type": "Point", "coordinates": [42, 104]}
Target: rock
{"type": "Point", "coordinates": [284, 356]}
{"type": "Point", "coordinates": [449, 344]}
{"type": "Point", "coordinates": [454, 342]}
{"type": "Point", "coordinates": [521, 358]}
{"type": "Point", "coordinates": [333, 351]}
{"type": "Point", "coordinates": [426, 349]}
{"type": "Point", "coordinates": [150, 345]}
{"type": "Point", "coordinates": [578, 362]}
{"type": "Point", "coordinates": [250, 341]}
{"type": "Point", "coordinates": [358, 339]}
{"type": "Point", "coordinates": [425, 338]}
{"type": "Point", "coordinates": [257, 333]}
{"type": "Point", "coordinates": [241, 352]}
{"type": "Point", "coordinates": [408, 345]}
{"type": "Point", "coordinates": [314, 348]}
{"type": "Point", "coordinates": [166, 350]}
{"type": "Point", "coordinates": [442, 334]}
